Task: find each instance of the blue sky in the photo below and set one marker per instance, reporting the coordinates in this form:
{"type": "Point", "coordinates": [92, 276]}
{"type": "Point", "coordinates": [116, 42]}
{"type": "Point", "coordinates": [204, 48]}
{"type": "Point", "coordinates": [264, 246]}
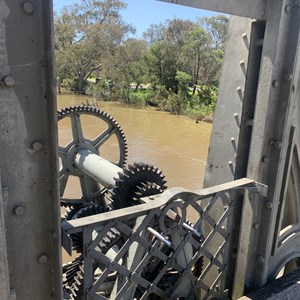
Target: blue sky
{"type": "Point", "coordinates": [142, 13]}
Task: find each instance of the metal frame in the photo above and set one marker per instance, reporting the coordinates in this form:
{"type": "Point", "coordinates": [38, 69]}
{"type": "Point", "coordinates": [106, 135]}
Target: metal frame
{"type": "Point", "coordinates": [28, 152]}
{"type": "Point", "coordinates": [185, 241]}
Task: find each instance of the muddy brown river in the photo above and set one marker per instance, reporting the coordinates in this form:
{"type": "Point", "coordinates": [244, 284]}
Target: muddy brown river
{"type": "Point", "coordinates": [177, 145]}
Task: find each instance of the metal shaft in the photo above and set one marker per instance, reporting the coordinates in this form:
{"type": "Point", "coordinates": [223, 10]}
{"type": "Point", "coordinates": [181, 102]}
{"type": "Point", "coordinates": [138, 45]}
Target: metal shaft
{"type": "Point", "coordinates": [98, 168]}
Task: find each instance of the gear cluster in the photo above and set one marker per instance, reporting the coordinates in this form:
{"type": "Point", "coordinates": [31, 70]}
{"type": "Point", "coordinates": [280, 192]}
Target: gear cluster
{"type": "Point", "coordinates": [131, 184]}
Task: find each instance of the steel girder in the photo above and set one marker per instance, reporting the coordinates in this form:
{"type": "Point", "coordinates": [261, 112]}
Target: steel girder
{"type": "Point", "coordinates": [256, 9]}
{"type": "Point", "coordinates": [260, 81]}
{"type": "Point", "coordinates": [28, 152]}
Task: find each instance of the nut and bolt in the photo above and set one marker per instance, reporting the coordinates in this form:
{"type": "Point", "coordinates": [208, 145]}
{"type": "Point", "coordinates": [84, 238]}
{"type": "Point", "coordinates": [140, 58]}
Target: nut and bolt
{"type": "Point", "coordinates": [288, 77]}
{"type": "Point", "coordinates": [43, 258]}
{"type": "Point", "coordinates": [8, 81]}
{"type": "Point", "coordinates": [276, 144]}
{"type": "Point", "coordinates": [260, 259]}
{"type": "Point", "coordinates": [37, 146]}
{"type": "Point", "coordinates": [266, 159]}
{"type": "Point", "coordinates": [268, 205]}
{"type": "Point", "coordinates": [28, 8]}
{"type": "Point", "coordinates": [19, 210]}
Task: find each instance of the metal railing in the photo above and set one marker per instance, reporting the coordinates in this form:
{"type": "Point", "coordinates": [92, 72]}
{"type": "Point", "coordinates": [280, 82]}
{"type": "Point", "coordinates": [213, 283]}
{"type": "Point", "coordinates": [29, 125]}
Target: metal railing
{"type": "Point", "coordinates": [161, 249]}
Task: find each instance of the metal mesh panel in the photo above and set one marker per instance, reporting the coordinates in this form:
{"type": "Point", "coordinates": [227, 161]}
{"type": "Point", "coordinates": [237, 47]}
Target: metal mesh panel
{"type": "Point", "coordinates": [153, 251]}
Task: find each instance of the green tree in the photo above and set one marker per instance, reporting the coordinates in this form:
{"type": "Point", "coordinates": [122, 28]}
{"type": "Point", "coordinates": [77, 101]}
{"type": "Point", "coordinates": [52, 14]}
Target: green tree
{"type": "Point", "coordinates": [85, 35]}
{"type": "Point", "coordinates": [127, 65]}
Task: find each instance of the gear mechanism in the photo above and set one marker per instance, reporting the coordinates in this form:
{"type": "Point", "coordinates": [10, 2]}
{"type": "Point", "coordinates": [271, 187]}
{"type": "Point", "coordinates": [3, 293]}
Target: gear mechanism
{"type": "Point", "coordinates": [137, 181]}
{"type": "Point", "coordinates": [77, 114]}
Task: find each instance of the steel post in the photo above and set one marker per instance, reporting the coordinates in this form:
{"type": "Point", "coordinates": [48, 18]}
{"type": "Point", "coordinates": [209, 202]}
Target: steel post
{"type": "Point", "coordinates": [28, 152]}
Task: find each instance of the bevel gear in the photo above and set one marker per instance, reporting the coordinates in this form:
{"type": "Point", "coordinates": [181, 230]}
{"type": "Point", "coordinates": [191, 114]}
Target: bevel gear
{"type": "Point", "coordinates": [66, 153]}
{"type": "Point", "coordinates": [137, 181]}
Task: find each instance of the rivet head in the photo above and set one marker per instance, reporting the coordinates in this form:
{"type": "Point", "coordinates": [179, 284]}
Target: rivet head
{"type": "Point", "coordinates": [37, 146]}
{"type": "Point", "coordinates": [19, 210]}
{"type": "Point", "coordinates": [255, 225]}
{"type": "Point", "coordinates": [244, 36]}
{"type": "Point", "coordinates": [268, 204]}
{"type": "Point", "coordinates": [9, 81]}
{"type": "Point", "coordinates": [288, 77]}
{"type": "Point", "coordinates": [260, 259]}
{"type": "Point", "coordinates": [288, 8]}
{"type": "Point", "coordinates": [275, 83]}
{"type": "Point", "coordinates": [266, 159]}
{"type": "Point", "coordinates": [43, 258]}
{"type": "Point", "coordinates": [28, 8]}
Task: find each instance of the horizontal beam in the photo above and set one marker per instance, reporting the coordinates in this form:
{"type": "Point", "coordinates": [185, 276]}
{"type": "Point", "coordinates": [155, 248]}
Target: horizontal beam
{"type": "Point", "coordinates": [256, 9]}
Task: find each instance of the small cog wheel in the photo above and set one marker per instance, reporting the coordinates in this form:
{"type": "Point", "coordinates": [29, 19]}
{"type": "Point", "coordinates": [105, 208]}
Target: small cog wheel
{"type": "Point", "coordinates": [80, 212]}
{"type": "Point", "coordinates": [137, 181]}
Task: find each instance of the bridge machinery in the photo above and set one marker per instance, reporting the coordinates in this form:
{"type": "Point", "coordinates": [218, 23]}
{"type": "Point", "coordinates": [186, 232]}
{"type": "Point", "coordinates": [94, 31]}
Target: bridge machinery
{"type": "Point", "coordinates": [224, 241]}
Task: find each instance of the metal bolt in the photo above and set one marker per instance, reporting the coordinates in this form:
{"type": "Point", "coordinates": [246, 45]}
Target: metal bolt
{"type": "Point", "coordinates": [266, 159]}
{"type": "Point", "coordinates": [230, 163]}
{"type": "Point", "coordinates": [28, 8]}
{"type": "Point", "coordinates": [288, 77]}
{"type": "Point", "coordinates": [43, 258]}
{"type": "Point", "coordinates": [37, 146]}
{"type": "Point", "coordinates": [268, 204]}
{"type": "Point", "coordinates": [13, 292]}
{"type": "Point", "coordinates": [260, 259]}
{"type": "Point", "coordinates": [8, 81]}
{"type": "Point", "coordinates": [19, 210]}
{"type": "Point", "coordinates": [151, 198]}
{"type": "Point", "coordinates": [275, 83]}
{"type": "Point", "coordinates": [288, 8]}
{"type": "Point", "coordinates": [255, 225]}
{"type": "Point", "coordinates": [244, 36]}
{"type": "Point", "coordinates": [242, 63]}
{"type": "Point", "coordinates": [276, 144]}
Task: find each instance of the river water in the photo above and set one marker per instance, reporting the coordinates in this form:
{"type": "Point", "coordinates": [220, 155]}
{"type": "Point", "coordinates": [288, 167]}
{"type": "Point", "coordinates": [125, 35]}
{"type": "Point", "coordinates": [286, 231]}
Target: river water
{"type": "Point", "coordinates": [177, 145]}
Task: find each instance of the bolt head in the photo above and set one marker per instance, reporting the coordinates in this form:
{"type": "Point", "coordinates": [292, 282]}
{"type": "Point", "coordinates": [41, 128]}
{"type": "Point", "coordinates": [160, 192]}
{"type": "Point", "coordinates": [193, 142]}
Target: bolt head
{"type": "Point", "coordinates": [9, 81]}
{"type": "Point", "coordinates": [37, 146]}
{"type": "Point", "coordinates": [43, 258]}
{"type": "Point", "coordinates": [288, 77]}
{"type": "Point", "coordinates": [260, 259]}
{"type": "Point", "coordinates": [275, 83]}
{"type": "Point", "coordinates": [28, 8]}
{"type": "Point", "coordinates": [268, 205]}
{"type": "Point", "coordinates": [255, 225]}
{"type": "Point", "coordinates": [19, 210]}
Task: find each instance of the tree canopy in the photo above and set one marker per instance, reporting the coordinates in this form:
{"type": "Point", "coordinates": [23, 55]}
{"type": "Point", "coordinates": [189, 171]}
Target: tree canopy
{"type": "Point", "coordinates": [92, 39]}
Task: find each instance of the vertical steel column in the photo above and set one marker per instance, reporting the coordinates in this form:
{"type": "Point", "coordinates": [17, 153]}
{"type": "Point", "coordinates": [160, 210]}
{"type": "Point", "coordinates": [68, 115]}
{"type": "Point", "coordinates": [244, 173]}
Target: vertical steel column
{"type": "Point", "coordinates": [270, 136]}
{"type": "Point", "coordinates": [28, 152]}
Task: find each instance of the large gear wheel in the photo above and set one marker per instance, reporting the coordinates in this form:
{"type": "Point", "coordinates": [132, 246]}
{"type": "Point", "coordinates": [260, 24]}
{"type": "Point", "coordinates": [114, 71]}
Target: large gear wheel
{"type": "Point", "coordinates": [137, 181]}
{"type": "Point", "coordinates": [108, 131]}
